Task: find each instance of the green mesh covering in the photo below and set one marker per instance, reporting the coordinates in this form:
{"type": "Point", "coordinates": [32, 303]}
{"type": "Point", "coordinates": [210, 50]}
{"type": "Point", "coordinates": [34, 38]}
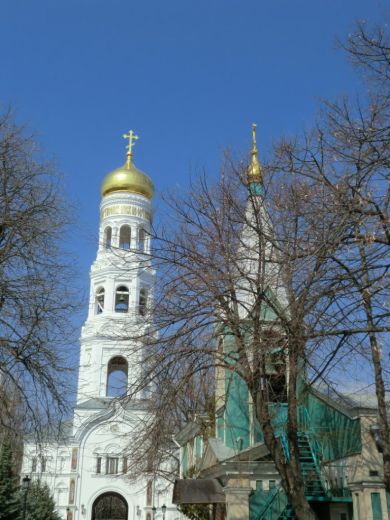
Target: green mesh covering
{"type": "Point", "coordinates": [257, 431]}
{"type": "Point", "coordinates": [256, 188]}
{"type": "Point", "coordinates": [240, 417]}
{"type": "Point", "coordinates": [237, 424]}
{"type": "Point", "coordinates": [237, 416]}
{"type": "Point", "coordinates": [257, 502]}
{"type": "Point", "coordinates": [337, 434]}
{"type": "Point", "coordinates": [376, 506]}
{"type": "Point", "coordinates": [268, 313]}
{"type": "Point", "coordinates": [267, 505]}
{"type": "Point", "coordinates": [278, 414]}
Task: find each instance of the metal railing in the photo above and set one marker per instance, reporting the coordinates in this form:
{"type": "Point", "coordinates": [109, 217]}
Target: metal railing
{"type": "Point", "coordinates": [275, 505]}
{"type": "Point", "coordinates": [277, 501]}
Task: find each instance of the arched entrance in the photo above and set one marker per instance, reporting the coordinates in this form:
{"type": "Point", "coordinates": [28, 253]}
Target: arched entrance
{"type": "Point", "coordinates": [110, 506]}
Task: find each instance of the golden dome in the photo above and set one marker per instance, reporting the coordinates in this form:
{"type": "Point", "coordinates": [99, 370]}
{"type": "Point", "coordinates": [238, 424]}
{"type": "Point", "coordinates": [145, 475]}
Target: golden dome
{"type": "Point", "coordinates": [128, 178]}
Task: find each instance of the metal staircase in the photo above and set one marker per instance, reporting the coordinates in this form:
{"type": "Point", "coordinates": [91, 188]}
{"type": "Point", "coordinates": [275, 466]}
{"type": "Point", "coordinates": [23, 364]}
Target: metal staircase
{"type": "Point", "coordinates": [277, 506]}
{"type": "Point", "coordinates": [311, 472]}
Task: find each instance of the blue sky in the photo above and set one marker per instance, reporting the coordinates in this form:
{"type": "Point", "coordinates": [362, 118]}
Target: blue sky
{"type": "Point", "coordinates": [189, 76]}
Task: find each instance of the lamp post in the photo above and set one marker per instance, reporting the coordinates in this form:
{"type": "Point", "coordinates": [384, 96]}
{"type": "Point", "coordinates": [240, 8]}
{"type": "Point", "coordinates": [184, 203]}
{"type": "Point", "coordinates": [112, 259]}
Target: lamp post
{"type": "Point", "coordinates": [154, 509]}
{"type": "Point", "coordinates": [164, 510]}
{"type": "Point", "coordinates": [25, 484]}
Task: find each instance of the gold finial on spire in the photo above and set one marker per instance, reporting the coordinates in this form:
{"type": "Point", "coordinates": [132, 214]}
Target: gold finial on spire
{"type": "Point", "coordinates": [255, 172]}
{"type": "Point", "coordinates": [132, 138]}
{"type": "Point", "coordinates": [254, 147]}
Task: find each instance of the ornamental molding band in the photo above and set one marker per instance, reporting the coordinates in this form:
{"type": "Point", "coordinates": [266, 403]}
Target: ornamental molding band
{"type": "Point", "coordinates": [125, 209]}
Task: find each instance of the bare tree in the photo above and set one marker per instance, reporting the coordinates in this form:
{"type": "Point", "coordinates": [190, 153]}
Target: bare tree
{"type": "Point", "coordinates": [369, 49]}
{"type": "Point", "coordinates": [244, 291]}
{"type": "Point", "coordinates": [349, 156]}
{"type": "Point", "coordinates": [36, 302]}
{"type": "Point", "coordinates": [178, 398]}
{"type": "Point", "coordinates": [261, 282]}
{"type": "Point", "coordinates": [292, 274]}
{"type": "Point", "coordinates": [12, 422]}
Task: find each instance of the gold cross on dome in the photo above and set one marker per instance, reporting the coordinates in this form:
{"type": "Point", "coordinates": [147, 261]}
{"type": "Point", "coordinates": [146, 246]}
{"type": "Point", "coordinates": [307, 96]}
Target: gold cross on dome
{"type": "Point", "coordinates": [132, 138]}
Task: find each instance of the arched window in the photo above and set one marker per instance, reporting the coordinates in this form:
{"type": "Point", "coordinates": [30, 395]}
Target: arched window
{"type": "Point", "coordinates": [122, 299]}
{"type": "Point", "coordinates": [107, 237]}
{"type": "Point", "coordinates": [117, 373]}
{"type": "Point", "coordinates": [141, 240]}
{"type": "Point", "coordinates": [143, 302]}
{"type": "Point", "coordinates": [99, 300]}
{"type": "Point", "coordinates": [125, 237]}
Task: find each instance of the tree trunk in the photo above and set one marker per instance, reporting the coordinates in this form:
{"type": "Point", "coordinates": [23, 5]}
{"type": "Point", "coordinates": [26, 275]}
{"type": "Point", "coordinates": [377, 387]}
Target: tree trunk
{"type": "Point", "coordinates": [296, 485]}
{"type": "Point", "coordinates": [289, 471]}
{"type": "Point", "coordinates": [303, 511]}
{"type": "Point", "coordinates": [384, 428]}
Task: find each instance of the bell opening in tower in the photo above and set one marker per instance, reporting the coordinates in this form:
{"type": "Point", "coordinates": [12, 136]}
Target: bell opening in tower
{"type": "Point", "coordinates": [122, 299]}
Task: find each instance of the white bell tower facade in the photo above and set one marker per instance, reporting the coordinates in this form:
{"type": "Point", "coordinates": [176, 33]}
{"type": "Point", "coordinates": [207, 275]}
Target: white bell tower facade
{"type": "Point", "coordinates": [121, 289]}
{"type": "Point", "coordinates": [88, 468]}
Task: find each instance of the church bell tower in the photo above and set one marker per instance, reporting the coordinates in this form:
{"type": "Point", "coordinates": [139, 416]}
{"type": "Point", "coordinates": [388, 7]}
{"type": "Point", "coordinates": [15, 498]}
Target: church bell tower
{"type": "Point", "coordinates": [89, 465]}
{"type": "Point", "coordinates": [121, 285]}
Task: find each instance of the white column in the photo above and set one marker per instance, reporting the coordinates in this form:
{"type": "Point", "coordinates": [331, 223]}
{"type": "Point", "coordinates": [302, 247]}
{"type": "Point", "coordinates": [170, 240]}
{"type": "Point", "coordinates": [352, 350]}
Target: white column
{"type": "Point", "coordinates": [237, 499]}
